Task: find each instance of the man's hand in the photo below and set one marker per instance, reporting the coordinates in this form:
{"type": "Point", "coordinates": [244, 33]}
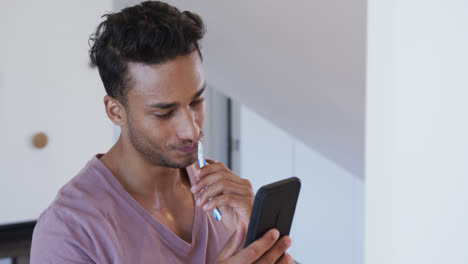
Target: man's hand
{"type": "Point", "coordinates": [267, 249]}
{"type": "Point", "coordinates": [231, 194]}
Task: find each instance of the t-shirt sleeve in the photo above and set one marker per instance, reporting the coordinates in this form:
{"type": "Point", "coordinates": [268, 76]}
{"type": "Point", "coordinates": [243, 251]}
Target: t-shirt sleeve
{"type": "Point", "coordinates": [57, 240]}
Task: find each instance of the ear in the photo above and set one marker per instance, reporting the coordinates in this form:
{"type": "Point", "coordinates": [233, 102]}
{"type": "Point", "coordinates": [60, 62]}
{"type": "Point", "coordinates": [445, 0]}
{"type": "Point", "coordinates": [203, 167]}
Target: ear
{"type": "Point", "coordinates": [115, 111]}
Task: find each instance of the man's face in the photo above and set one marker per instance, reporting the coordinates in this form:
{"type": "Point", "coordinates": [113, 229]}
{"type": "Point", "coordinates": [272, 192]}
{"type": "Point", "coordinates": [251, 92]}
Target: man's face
{"type": "Point", "coordinates": [165, 110]}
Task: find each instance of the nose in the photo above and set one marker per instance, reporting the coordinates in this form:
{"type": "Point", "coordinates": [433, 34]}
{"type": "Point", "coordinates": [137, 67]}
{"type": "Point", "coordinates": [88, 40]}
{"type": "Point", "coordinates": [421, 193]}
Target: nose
{"type": "Point", "coordinates": [187, 127]}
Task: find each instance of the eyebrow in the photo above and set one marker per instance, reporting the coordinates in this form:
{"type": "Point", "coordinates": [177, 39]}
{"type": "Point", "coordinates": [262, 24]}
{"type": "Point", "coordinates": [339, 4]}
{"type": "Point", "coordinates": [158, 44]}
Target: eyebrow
{"type": "Point", "coordinates": [197, 94]}
{"type": "Point", "coordinates": [171, 105]}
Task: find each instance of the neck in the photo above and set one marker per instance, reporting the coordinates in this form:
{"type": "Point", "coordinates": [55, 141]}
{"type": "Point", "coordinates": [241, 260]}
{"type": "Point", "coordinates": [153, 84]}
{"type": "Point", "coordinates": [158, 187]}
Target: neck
{"type": "Point", "coordinates": [142, 179]}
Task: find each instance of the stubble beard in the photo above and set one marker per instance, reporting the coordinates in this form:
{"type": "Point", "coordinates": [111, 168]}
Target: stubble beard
{"type": "Point", "coordinates": [154, 153]}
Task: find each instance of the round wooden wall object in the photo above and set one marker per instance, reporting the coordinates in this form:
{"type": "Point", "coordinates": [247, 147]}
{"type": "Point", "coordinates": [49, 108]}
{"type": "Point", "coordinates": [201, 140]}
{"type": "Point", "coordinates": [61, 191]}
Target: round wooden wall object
{"type": "Point", "coordinates": [40, 140]}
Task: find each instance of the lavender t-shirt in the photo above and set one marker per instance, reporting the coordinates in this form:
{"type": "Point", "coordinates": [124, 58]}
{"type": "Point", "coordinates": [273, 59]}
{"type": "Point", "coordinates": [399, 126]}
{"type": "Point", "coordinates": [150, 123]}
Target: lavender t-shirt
{"type": "Point", "coordinates": [94, 220]}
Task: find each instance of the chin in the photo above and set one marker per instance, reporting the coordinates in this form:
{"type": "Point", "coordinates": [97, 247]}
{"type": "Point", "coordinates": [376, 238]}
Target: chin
{"type": "Point", "coordinates": [180, 163]}
{"type": "Point", "coordinates": [189, 161]}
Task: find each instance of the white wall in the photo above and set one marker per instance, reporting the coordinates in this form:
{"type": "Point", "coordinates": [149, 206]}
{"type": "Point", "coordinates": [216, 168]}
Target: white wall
{"type": "Point", "coordinates": [417, 163]}
{"type": "Point", "coordinates": [46, 85]}
{"type": "Point", "coordinates": [328, 225]}
{"type": "Point", "coordinates": [5, 261]}
{"type": "Point", "coordinates": [379, 141]}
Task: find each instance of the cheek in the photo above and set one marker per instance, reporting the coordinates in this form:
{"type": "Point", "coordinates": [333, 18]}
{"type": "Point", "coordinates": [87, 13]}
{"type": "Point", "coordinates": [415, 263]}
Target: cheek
{"type": "Point", "coordinates": [153, 129]}
{"type": "Point", "coordinates": [150, 129]}
{"type": "Point", "coordinates": [160, 130]}
{"type": "Point", "coordinates": [149, 124]}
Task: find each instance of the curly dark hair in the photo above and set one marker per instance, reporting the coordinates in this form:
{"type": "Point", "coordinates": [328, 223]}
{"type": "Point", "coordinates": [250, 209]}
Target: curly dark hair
{"type": "Point", "coordinates": [151, 32]}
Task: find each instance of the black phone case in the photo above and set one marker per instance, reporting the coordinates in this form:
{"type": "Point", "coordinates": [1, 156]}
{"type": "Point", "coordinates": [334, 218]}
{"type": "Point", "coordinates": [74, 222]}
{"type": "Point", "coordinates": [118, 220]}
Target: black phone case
{"type": "Point", "coordinates": [274, 207]}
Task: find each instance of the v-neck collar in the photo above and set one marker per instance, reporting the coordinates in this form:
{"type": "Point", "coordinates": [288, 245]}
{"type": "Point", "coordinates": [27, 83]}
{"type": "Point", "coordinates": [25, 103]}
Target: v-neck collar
{"type": "Point", "coordinates": [167, 236]}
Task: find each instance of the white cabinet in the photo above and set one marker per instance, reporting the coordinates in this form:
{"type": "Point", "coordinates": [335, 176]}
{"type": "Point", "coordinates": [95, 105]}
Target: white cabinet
{"type": "Point", "coordinates": [46, 84]}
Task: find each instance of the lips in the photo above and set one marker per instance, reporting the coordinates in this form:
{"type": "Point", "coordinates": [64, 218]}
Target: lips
{"type": "Point", "coordinates": [188, 149]}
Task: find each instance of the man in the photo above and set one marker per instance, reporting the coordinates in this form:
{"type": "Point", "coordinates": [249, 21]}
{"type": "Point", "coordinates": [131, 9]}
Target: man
{"type": "Point", "coordinates": [146, 200]}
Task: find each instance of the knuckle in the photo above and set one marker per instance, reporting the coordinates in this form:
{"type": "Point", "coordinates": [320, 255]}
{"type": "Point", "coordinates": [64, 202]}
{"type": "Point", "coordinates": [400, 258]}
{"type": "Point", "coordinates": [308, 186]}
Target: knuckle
{"type": "Point", "coordinates": [253, 252]}
{"type": "Point", "coordinates": [226, 198]}
{"type": "Point", "coordinates": [226, 175]}
{"type": "Point", "coordinates": [215, 165]}
{"type": "Point", "coordinates": [285, 259]}
{"type": "Point", "coordinates": [288, 259]}
{"type": "Point", "coordinates": [251, 202]}
{"type": "Point", "coordinates": [215, 187]}
{"type": "Point", "coordinates": [285, 243]}
{"type": "Point", "coordinates": [247, 202]}
{"type": "Point", "coordinates": [249, 185]}
{"type": "Point", "coordinates": [215, 201]}
{"type": "Point", "coordinates": [251, 194]}
{"type": "Point", "coordinates": [220, 176]}
{"type": "Point", "coordinates": [205, 170]}
{"type": "Point", "coordinates": [224, 183]}
{"type": "Point", "coordinates": [218, 200]}
{"type": "Point", "coordinates": [201, 183]}
{"type": "Point", "coordinates": [284, 247]}
{"type": "Point", "coordinates": [247, 182]}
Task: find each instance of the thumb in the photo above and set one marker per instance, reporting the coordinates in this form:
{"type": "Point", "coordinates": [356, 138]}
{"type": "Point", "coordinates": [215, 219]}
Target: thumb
{"type": "Point", "coordinates": [233, 244]}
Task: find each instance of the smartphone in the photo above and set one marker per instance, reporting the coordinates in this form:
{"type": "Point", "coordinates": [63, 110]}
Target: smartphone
{"type": "Point", "coordinates": [273, 207]}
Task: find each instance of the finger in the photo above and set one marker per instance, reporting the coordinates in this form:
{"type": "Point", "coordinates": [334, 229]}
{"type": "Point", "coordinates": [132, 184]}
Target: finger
{"type": "Point", "coordinates": [211, 161]}
{"type": "Point", "coordinates": [220, 187]}
{"type": "Point", "coordinates": [195, 170]}
{"type": "Point", "coordinates": [231, 200]}
{"type": "Point", "coordinates": [212, 168]}
{"type": "Point", "coordinates": [233, 244]}
{"type": "Point", "coordinates": [257, 248]}
{"type": "Point", "coordinates": [280, 247]}
{"type": "Point", "coordinates": [212, 177]}
{"type": "Point", "coordinates": [218, 176]}
{"type": "Point", "coordinates": [285, 259]}
{"type": "Point", "coordinates": [207, 181]}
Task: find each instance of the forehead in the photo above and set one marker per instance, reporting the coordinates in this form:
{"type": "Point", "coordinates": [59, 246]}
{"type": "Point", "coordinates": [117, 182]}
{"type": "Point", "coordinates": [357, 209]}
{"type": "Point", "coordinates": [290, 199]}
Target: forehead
{"type": "Point", "coordinates": [170, 81]}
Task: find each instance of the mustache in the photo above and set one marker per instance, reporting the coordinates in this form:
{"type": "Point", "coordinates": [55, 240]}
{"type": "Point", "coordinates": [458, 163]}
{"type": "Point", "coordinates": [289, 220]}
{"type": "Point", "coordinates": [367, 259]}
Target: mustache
{"type": "Point", "coordinates": [187, 142]}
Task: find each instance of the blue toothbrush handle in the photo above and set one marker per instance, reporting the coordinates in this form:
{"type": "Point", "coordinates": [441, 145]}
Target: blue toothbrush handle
{"type": "Point", "coordinates": [216, 213]}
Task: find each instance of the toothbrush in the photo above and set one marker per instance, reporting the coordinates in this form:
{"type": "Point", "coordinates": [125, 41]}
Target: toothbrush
{"type": "Point", "coordinates": [201, 164]}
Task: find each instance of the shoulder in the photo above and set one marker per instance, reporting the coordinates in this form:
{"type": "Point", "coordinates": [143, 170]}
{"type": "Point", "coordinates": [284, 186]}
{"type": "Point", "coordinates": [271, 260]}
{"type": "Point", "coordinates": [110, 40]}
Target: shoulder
{"type": "Point", "coordinates": [58, 238]}
{"type": "Point", "coordinates": [64, 230]}
{"type": "Point", "coordinates": [84, 196]}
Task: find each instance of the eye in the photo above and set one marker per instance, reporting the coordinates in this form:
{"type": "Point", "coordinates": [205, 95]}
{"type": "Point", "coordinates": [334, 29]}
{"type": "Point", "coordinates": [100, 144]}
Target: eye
{"type": "Point", "coordinates": [197, 102]}
{"type": "Point", "coordinates": [164, 116]}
